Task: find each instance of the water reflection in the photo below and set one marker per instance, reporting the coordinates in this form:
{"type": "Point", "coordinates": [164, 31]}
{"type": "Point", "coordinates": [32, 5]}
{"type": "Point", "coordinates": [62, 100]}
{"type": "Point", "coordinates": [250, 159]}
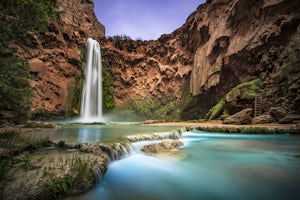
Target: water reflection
{"type": "Point", "coordinates": [88, 135]}
{"type": "Point", "coordinates": [217, 167]}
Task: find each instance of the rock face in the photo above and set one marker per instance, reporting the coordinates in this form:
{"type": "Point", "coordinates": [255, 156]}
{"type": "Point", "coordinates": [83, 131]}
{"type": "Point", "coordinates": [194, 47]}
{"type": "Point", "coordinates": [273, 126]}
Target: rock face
{"type": "Point", "coordinates": [162, 147]}
{"type": "Point", "coordinates": [55, 57]}
{"type": "Point", "coordinates": [222, 44]}
{"type": "Point", "coordinates": [149, 69]}
{"type": "Point", "coordinates": [166, 149]}
{"type": "Point", "coordinates": [263, 119]}
{"type": "Point", "coordinates": [242, 117]}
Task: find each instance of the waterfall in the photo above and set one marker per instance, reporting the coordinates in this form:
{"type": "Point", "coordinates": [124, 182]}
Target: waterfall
{"type": "Point", "coordinates": [91, 100]}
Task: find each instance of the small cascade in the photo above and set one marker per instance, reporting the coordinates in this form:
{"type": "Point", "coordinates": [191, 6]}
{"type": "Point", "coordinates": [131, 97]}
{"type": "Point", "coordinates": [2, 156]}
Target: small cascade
{"type": "Point", "coordinates": [116, 151]}
{"type": "Point", "coordinates": [98, 178]}
{"type": "Point", "coordinates": [175, 135]}
{"type": "Point", "coordinates": [91, 99]}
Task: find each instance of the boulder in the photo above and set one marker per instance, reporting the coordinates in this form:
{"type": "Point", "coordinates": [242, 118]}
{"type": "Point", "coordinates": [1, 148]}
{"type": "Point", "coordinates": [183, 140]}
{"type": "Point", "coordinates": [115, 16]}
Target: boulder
{"type": "Point", "coordinates": [162, 147]}
{"type": "Point", "coordinates": [263, 119]}
{"type": "Point", "coordinates": [277, 112]}
{"type": "Point", "coordinates": [242, 117]}
{"type": "Point", "coordinates": [290, 119]}
{"type": "Point", "coordinates": [165, 150]}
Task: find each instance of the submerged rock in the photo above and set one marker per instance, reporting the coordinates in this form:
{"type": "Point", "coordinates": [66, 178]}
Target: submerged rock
{"type": "Point", "coordinates": [166, 149]}
{"type": "Point", "coordinates": [175, 135]}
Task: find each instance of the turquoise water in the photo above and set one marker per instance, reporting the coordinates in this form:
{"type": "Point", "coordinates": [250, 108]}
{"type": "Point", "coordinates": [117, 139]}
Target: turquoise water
{"type": "Point", "coordinates": [217, 166]}
{"type": "Point", "coordinates": [97, 133]}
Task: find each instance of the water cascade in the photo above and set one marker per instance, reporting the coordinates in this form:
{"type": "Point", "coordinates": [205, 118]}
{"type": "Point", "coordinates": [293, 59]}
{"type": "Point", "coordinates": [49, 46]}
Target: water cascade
{"type": "Point", "coordinates": [91, 100]}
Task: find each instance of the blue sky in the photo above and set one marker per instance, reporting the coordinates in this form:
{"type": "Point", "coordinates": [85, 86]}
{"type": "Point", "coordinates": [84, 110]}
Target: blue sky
{"type": "Point", "coordinates": [146, 19]}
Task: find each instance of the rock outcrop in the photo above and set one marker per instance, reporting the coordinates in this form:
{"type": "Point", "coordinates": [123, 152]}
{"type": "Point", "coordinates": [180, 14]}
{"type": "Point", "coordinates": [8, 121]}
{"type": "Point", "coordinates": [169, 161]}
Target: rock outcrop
{"type": "Point", "coordinates": [149, 69]}
{"type": "Point", "coordinates": [166, 149]}
{"type": "Point", "coordinates": [55, 57]}
{"type": "Point", "coordinates": [242, 117]}
{"type": "Point", "coordinates": [222, 44]}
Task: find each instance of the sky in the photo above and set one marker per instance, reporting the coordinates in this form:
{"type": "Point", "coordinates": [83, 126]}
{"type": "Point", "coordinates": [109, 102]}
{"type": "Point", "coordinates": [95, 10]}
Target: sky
{"type": "Point", "coordinates": [143, 19]}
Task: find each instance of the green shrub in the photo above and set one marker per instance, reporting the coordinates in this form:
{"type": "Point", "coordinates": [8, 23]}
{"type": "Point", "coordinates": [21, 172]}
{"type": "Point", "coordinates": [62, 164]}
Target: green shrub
{"type": "Point", "coordinates": [244, 91]}
{"type": "Point", "coordinates": [70, 173]}
{"type": "Point", "coordinates": [17, 19]}
{"type": "Point", "coordinates": [72, 106]}
{"type": "Point", "coordinates": [215, 111]}
{"type": "Point", "coordinates": [119, 37]}
{"type": "Point", "coordinates": [15, 90]}
{"type": "Point", "coordinates": [150, 108]}
{"type": "Point", "coordinates": [108, 84]}
{"type": "Point", "coordinates": [57, 188]}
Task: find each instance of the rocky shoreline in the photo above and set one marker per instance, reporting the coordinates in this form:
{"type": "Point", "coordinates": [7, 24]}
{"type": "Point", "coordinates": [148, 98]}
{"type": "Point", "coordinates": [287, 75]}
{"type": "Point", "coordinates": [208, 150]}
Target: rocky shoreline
{"type": "Point", "coordinates": [218, 126]}
{"type": "Point", "coordinates": [43, 169]}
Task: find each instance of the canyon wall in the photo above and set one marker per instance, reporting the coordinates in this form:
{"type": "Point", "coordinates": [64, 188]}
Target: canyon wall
{"type": "Point", "coordinates": [55, 57]}
{"type": "Point", "coordinates": [223, 43]}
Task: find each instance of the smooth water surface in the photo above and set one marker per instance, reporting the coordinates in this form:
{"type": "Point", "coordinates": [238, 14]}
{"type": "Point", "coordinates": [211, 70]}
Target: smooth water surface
{"type": "Point", "coordinates": [217, 166]}
{"type": "Point", "coordinates": [98, 133]}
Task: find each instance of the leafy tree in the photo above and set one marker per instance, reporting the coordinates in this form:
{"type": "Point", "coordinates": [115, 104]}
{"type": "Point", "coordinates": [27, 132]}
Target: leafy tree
{"type": "Point", "coordinates": [17, 18]}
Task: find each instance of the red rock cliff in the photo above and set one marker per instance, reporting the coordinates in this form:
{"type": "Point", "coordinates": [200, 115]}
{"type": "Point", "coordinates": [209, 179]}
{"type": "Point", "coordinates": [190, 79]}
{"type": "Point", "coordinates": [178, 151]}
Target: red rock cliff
{"type": "Point", "coordinates": [55, 56]}
{"type": "Point", "coordinates": [223, 43]}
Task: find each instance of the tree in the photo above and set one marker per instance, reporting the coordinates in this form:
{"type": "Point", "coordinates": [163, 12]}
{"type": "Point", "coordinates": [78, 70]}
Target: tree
{"type": "Point", "coordinates": [17, 18]}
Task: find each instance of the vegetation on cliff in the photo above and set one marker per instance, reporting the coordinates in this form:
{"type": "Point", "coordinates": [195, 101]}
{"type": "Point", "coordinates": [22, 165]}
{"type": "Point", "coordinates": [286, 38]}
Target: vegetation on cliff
{"type": "Point", "coordinates": [74, 97]}
{"type": "Point", "coordinates": [17, 19]}
{"type": "Point", "coordinates": [108, 82]}
{"type": "Point", "coordinates": [241, 96]}
{"type": "Point", "coordinates": [15, 90]}
{"type": "Point", "coordinates": [151, 108]}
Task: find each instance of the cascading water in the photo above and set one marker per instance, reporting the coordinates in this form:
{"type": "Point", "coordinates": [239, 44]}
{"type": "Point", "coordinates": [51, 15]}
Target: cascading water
{"type": "Point", "coordinates": [91, 100]}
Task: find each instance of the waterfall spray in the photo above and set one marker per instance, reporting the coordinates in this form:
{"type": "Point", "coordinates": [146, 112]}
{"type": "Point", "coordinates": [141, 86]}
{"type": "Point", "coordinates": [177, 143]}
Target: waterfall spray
{"type": "Point", "coordinates": [91, 100]}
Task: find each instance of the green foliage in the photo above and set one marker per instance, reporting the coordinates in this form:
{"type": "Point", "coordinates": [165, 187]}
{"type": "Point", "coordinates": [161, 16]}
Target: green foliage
{"type": "Point", "coordinates": [226, 113]}
{"type": "Point", "coordinates": [188, 128]}
{"type": "Point", "coordinates": [15, 90]}
{"type": "Point", "coordinates": [69, 173]}
{"type": "Point", "coordinates": [151, 108]}
{"type": "Point", "coordinates": [256, 130]}
{"type": "Point", "coordinates": [14, 142]}
{"type": "Point", "coordinates": [72, 106]}
{"type": "Point", "coordinates": [10, 138]}
{"type": "Point", "coordinates": [17, 18]}
{"type": "Point", "coordinates": [179, 131]}
{"type": "Point", "coordinates": [119, 37]}
{"type": "Point", "coordinates": [244, 130]}
{"type": "Point", "coordinates": [57, 188]}
{"type": "Point", "coordinates": [108, 83]}
{"type": "Point", "coordinates": [215, 111]}
{"type": "Point", "coordinates": [244, 91]}
{"type": "Point", "coordinates": [38, 125]}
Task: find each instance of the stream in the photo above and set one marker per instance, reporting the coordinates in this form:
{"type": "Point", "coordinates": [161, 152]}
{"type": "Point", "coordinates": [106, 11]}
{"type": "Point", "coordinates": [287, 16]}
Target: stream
{"type": "Point", "coordinates": [216, 166]}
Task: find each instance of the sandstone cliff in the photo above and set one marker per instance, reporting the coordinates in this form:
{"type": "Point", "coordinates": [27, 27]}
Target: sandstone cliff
{"type": "Point", "coordinates": [55, 57]}
{"type": "Point", "coordinates": [223, 43]}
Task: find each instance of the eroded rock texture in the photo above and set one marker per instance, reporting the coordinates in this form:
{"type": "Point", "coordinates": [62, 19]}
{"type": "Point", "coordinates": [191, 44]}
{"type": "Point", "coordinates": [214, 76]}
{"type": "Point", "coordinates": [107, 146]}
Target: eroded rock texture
{"type": "Point", "coordinates": [223, 43]}
{"type": "Point", "coordinates": [55, 57]}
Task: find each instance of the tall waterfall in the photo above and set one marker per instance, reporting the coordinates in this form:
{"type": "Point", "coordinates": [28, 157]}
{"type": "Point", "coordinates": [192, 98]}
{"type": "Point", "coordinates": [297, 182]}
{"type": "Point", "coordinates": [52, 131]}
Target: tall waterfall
{"type": "Point", "coordinates": [91, 100]}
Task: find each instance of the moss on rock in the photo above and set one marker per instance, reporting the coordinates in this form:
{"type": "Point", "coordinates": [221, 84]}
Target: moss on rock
{"type": "Point", "coordinates": [240, 97]}
{"type": "Point", "coordinates": [244, 91]}
{"type": "Point", "coordinates": [215, 111]}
